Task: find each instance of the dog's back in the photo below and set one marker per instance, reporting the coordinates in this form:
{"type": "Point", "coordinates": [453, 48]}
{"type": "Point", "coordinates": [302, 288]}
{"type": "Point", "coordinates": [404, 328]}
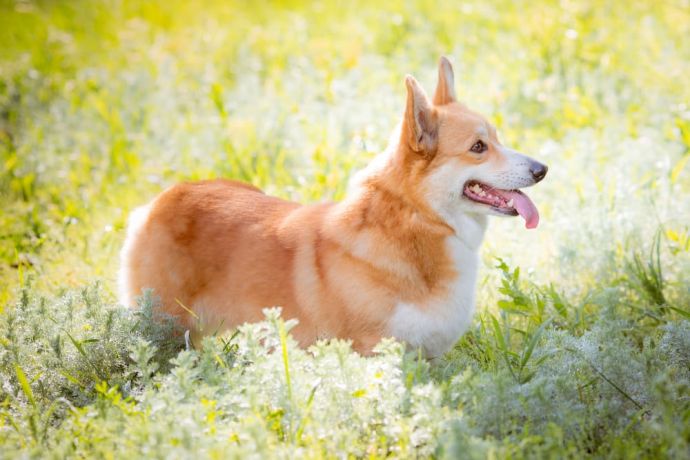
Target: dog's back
{"type": "Point", "coordinates": [198, 243]}
{"type": "Point", "coordinates": [225, 251]}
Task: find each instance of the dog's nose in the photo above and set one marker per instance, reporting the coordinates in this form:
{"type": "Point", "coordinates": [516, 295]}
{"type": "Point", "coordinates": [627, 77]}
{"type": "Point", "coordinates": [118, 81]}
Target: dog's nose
{"type": "Point", "coordinates": [538, 170]}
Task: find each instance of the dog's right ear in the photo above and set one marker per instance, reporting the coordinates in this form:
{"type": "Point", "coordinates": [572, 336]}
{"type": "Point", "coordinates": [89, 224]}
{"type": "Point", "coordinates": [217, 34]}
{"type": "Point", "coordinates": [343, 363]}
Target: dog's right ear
{"type": "Point", "coordinates": [420, 126]}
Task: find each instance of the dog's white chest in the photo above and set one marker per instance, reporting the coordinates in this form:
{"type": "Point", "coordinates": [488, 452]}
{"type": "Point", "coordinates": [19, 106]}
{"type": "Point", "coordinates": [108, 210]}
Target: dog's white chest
{"type": "Point", "coordinates": [437, 324]}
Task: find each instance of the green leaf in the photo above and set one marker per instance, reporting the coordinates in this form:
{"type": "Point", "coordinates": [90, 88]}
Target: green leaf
{"type": "Point", "coordinates": [498, 333]}
{"type": "Point", "coordinates": [534, 339]}
{"type": "Point", "coordinates": [24, 382]}
{"type": "Point", "coordinates": [681, 312]}
{"type": "Point", "coordinates": [506, 304]}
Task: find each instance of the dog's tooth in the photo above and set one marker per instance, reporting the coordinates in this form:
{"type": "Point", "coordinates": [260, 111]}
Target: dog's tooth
{"type": "Point", "coordinates": [510, 203]}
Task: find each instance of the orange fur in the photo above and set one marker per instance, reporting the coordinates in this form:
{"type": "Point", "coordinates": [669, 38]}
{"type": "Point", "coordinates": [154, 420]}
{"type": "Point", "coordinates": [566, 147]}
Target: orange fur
{"type": "Point", "coordinates": [226, 250]}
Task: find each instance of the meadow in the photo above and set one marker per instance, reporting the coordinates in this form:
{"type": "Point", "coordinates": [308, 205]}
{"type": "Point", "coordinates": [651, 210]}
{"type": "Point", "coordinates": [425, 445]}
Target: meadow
{"type": "Point", "coordinates": [581, 341]}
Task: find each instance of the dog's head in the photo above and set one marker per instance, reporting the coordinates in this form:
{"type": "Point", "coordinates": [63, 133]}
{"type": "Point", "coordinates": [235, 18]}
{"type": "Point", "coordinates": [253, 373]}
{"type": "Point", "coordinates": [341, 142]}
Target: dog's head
{"type": "Point", "coordinates": [454, 157]}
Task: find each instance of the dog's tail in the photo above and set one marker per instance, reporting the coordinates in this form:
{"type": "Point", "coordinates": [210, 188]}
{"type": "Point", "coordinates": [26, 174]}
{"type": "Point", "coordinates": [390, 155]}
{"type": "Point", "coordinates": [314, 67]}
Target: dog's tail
{"type": "Point", "coordinates": [128, 261]}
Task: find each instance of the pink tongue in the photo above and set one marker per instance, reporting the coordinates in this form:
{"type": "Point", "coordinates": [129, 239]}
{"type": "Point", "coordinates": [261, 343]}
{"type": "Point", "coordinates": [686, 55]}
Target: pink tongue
{"type": "Point", "coordinates": [524, 206]}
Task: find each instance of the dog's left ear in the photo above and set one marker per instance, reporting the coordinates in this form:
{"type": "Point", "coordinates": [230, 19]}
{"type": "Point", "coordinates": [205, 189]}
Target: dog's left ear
{"type": "Point", "coordinates": [445, 90]}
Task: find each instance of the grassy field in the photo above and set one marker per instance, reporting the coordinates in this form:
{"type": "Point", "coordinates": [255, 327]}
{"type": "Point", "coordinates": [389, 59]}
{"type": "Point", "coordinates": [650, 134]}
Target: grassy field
{"type": "Point", "coordinates": [581, 343]}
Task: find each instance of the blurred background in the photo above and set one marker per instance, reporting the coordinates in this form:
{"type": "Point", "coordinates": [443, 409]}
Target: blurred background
{"type": "Point", "coordinates": [581, 344]}
{"type": "Point", "coordinates": [105, 103]}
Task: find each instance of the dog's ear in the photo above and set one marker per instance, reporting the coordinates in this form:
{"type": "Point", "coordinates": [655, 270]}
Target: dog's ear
{"type": "Point", "coordinates": [445, 90]}
{"type": "Point", "coordinates": [420, 126]}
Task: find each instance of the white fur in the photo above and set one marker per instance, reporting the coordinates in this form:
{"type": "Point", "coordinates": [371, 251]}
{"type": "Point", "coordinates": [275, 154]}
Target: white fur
{"type": "Point", "coordinates": [436, 325]}
{"type": "Point", "coordinates": [135, 224]}
{"type": "Point", "coordinates": [516, 173]}
{"type": "Point", "coordinates": [443, 190]}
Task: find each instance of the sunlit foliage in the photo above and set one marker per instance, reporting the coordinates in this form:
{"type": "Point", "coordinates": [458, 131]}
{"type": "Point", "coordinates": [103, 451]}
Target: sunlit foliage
{"type": "Point", "coordinates": [581, 344]}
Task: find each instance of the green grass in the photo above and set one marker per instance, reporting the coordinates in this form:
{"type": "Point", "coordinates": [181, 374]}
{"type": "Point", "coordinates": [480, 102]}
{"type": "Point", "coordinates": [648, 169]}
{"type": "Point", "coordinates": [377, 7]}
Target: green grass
{"type": "Point", "coordinates": [581, 343]}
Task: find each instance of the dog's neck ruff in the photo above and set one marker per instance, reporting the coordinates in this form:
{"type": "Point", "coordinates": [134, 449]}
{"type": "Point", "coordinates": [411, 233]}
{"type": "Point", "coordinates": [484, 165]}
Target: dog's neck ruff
{"type": "Point", "coordinates": [434, 321]}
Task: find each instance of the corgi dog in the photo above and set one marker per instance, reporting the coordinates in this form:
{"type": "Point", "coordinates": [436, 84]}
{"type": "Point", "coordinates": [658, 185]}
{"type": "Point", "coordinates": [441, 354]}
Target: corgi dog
{"type": "Point", "coordinates": [397, 257]}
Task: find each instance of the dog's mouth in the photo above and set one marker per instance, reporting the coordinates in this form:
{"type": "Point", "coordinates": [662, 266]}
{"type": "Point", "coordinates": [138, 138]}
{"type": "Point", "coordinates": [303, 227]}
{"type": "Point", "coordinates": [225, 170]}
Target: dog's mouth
{"type": "Point", "coordinates": [508, 202]}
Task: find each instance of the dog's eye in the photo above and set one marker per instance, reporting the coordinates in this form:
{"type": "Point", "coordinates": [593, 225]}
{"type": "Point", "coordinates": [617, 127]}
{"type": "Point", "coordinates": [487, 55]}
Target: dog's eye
{"type": "Point", "coordinates": [479, 147]}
